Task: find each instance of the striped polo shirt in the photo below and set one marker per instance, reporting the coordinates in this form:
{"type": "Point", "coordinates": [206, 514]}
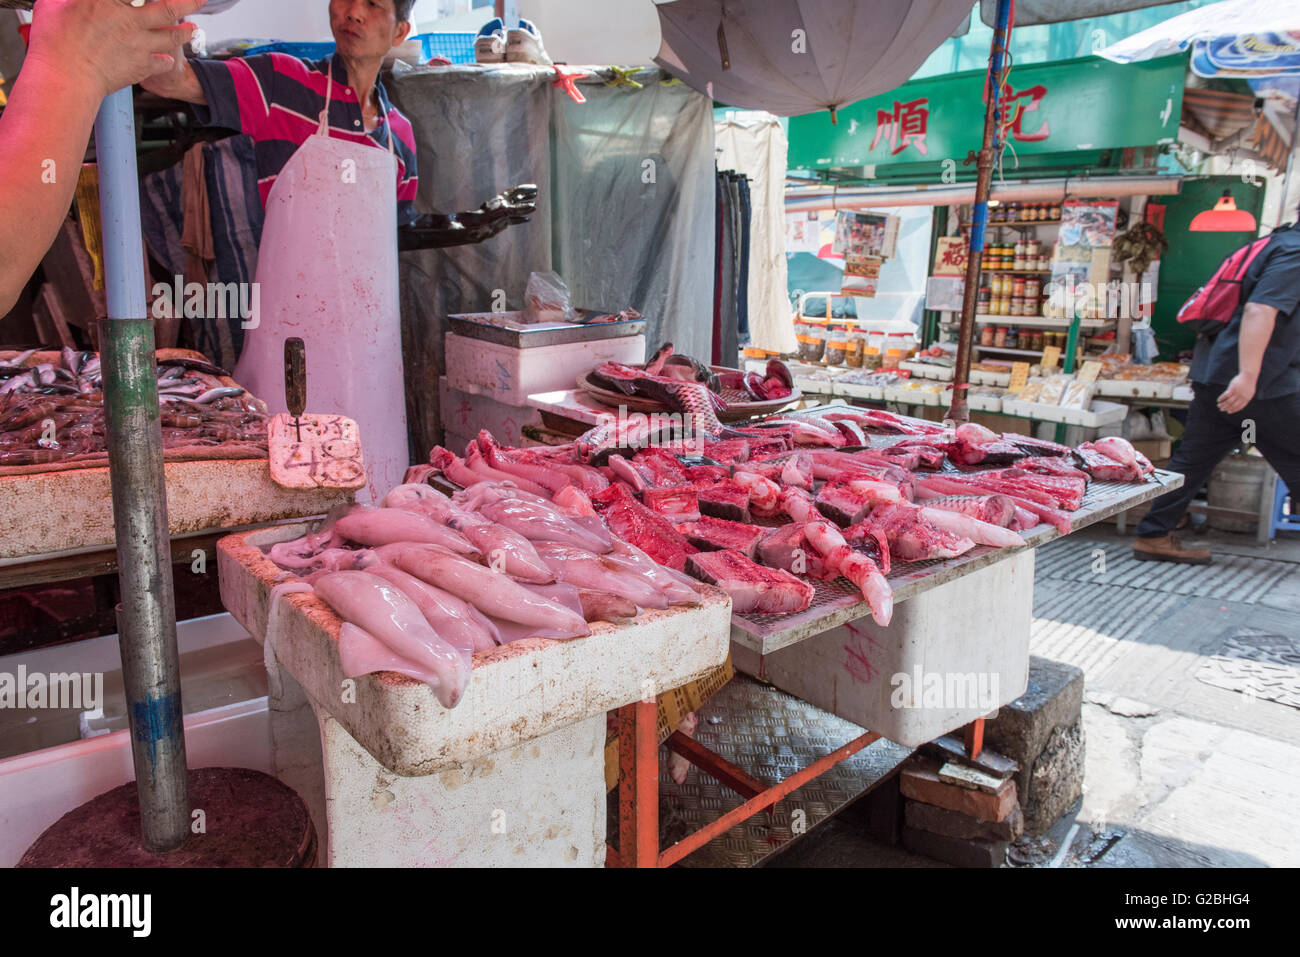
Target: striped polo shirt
{"type": "Point", "coordinates": [277, 100]}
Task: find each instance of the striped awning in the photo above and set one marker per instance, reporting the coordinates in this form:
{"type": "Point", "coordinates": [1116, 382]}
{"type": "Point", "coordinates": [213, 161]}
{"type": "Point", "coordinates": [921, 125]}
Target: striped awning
{"type": "Point", "coordinates": [1232, 121]}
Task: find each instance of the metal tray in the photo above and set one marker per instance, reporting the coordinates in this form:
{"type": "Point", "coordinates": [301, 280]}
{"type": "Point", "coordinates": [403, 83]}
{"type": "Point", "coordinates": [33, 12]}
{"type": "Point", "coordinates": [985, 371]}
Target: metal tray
{"type": "Point", "coordinates": [501, 328]}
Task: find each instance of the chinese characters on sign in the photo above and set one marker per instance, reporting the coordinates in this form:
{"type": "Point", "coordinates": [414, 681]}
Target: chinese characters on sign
{"type": "Point", "coordinates": [908, 123]}
{"type": "Point", "coordinates": [1016, 114]}
{"type": "Point", "coordinates": [950, 256]}
{"type": "Point", "coordinates": [904, 127]}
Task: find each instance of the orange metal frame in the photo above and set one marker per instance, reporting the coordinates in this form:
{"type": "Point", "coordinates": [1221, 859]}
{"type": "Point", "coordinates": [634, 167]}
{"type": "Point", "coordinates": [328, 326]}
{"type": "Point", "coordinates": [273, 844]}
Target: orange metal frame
{"type": "Point", "coordinates": [638, 785]}
{"type": "Point", "coordinates": [638, 788]}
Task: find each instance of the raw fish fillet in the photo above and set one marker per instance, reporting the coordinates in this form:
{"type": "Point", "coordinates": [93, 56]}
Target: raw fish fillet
{"type": "Point", "coordinates": [675, 504]}
{"type": "Point", "coordinates": [788, 548]}
{"type": "Point", "coordinates": [937, 486]}
{"type": "Point", "coordinates": [912, 538]}
{"type": "Point", "coordinates": [994, 509]}
{"type": "Point", "coordinates": [723, 500]}
{"type": "Point", "coordinates": [633, 522]}
{"type": "Point", "coordinates": [1113, 459]}
{"type": "Point", "coordinates": [1051, 465]}
{"type": "Point", "coordinates": [856, 567]}
{"type": "Point", "coordinates": [753, 588]}
{"type": "Point", "coordinates": [711, 534]}
{"type": "Point", "coordinates": [728, 451]}
{"type": "Point", "coordinates": [843, 505]}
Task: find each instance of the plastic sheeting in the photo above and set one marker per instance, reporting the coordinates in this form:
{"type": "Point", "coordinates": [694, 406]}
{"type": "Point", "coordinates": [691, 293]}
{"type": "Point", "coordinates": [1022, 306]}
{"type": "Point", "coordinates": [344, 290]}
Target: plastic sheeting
{"type": "Point", "coordinates": [757, 148]}
{"type": "Point", "coordinates": [624, 211]}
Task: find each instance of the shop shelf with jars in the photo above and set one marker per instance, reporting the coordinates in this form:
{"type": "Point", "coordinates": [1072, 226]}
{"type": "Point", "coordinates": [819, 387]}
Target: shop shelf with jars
{"type": "Point", "coordinates": [1043, 322]}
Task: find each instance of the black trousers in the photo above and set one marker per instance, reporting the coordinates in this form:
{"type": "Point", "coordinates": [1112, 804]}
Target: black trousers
{"type": "Point", "coordinates": [1211, 435]}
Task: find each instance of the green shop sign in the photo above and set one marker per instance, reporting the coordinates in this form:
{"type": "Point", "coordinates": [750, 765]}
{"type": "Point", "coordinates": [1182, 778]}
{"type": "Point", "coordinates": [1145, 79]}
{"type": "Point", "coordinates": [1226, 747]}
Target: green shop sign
{"type": "Point", "coordinates": [1087, 104]}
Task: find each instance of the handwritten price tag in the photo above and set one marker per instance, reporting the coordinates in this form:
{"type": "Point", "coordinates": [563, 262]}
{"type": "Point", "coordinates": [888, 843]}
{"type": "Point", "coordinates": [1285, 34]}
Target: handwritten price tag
{"type": "Point", "coordinates": [1089, 372]}
{"type": "Point", "coordinates": [1051, 356]}
{"type": "Point", "coordinates": [1019, 377]}
{"type": "Point", "coordinates": [315, 451]}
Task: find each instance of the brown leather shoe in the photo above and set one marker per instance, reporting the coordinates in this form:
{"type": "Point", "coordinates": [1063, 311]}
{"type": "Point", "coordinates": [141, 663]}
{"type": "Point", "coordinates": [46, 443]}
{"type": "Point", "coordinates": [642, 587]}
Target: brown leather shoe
{"type": "Point", "coordinates": [1167, 548]}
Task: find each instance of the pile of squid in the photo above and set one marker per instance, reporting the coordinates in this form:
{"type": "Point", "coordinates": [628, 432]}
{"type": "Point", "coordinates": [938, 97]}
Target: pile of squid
{"type": "Point", "coordinates": [424, 581]}
{"type": "Point", "coordinates": [53, 412]}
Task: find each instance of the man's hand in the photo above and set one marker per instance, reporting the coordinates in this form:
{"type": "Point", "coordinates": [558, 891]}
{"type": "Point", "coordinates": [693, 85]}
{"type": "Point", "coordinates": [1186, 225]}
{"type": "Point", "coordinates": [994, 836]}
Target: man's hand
{"type": "Point", "coordinates": [1238, 393]}
{"type": "Point", "coordinates": [108, 43]}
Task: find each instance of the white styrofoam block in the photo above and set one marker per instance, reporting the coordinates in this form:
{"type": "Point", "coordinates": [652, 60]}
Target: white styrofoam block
{"type": "Point", "coordinates": [970, 635]}
{"type": "Point", "coordinates": [465, 413]}
{"type": "Point", "coordinates": [510, 375]}
{"type": "Point", "coordinates": [538, 804]}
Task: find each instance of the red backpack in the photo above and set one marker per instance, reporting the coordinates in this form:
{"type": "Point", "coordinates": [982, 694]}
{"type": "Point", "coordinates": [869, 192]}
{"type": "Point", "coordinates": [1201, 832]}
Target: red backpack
{"type": "Point", "coordinates": [1212, 307]}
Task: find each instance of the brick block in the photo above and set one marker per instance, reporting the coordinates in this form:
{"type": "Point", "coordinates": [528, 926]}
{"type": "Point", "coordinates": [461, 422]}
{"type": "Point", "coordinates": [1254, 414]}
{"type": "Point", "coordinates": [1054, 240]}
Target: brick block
{"type": "Point", "coordinates": [937, 820]}
{"type": "Point", "coordinates": [920, 782]}
{"type": "Point", "coordinates": [951, 850]}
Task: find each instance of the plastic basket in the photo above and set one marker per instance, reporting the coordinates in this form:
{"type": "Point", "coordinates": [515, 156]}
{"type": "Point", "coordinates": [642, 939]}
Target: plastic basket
{"type": "Point", "coordinates": [456, 47]}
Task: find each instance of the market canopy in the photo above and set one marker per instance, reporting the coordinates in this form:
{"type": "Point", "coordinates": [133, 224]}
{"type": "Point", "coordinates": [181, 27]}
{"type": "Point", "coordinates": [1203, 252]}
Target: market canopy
{"type": "Point", "coordinates": [1029, 13]}
{"type": "Point", "coordinates": [801, 56]}
{"type": "Point", "coordinates": [1241, 38]}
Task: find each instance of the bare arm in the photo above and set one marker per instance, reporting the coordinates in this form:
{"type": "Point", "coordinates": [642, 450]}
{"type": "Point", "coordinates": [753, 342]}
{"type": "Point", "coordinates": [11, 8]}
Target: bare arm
{"type": "Point", "coordinates": [1257, 321]}
{"type": "Point", "coordinates": [81, 51]}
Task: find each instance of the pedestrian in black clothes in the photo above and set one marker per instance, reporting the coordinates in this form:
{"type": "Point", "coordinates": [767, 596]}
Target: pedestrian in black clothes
{"type": "Point", "coordinates": [1246, 386]}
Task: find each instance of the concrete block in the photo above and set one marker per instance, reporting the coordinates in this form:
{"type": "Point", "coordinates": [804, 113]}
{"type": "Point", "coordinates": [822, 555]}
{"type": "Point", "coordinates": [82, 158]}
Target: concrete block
{"type": "Point", "coordinates": [938, 820]}
{"type": "Point", "coordinates": [921, 782]}
{"type": "Point", "coordinates": [1042, 731]}
{"type": "Point", "coordinates": [951, 850]}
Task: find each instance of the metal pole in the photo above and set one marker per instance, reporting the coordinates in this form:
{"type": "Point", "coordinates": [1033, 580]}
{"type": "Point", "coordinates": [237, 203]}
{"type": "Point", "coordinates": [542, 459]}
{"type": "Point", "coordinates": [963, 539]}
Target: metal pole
{"type": "Point", "coordinates": [959, 411]}
{"type": "Point", "coordinates": [147, 615]}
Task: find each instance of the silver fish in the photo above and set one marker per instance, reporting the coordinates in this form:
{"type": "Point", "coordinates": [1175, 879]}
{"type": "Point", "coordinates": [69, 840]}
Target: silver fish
{"type": "Point", "coordinates": [220, 392]}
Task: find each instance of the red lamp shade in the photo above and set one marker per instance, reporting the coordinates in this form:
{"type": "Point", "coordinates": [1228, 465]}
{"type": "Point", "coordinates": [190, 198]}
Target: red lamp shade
{"type": "Point", "coordinates": [1225, 217]}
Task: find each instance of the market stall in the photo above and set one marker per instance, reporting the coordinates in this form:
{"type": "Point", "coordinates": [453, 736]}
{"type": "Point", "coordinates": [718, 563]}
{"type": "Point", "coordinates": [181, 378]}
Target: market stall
{"type": "Point", "coordinates": [964, 612]}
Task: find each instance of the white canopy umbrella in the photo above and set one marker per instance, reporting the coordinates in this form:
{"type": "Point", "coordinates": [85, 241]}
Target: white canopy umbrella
{"type": "Point", "coordinates": [1232, 38]}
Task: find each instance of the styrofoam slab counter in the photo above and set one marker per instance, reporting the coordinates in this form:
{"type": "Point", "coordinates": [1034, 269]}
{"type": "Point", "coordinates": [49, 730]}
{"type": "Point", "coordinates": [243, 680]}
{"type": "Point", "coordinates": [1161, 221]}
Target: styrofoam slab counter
{"type": "Point", "coordinates": [518, 691]}
{"type": "Point", "coordinates": [52, 512]}
{"type": "Point", "coordinates": [464, 413]}
{"type": "Point", "coordinates": [510, 375]}
{"type": "Point", "coordinates": [969, 642]}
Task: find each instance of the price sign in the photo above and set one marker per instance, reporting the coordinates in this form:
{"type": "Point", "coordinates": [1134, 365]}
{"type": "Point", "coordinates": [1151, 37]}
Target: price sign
{"type": "Point", "coordinates": [1089, 372]}
{"type": "Point", "coordinates": [1019, 377]}
{"type": "Point", "coordinates": [315, 451]}
{"type": "Point", "coordinates": [1051, 356]}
